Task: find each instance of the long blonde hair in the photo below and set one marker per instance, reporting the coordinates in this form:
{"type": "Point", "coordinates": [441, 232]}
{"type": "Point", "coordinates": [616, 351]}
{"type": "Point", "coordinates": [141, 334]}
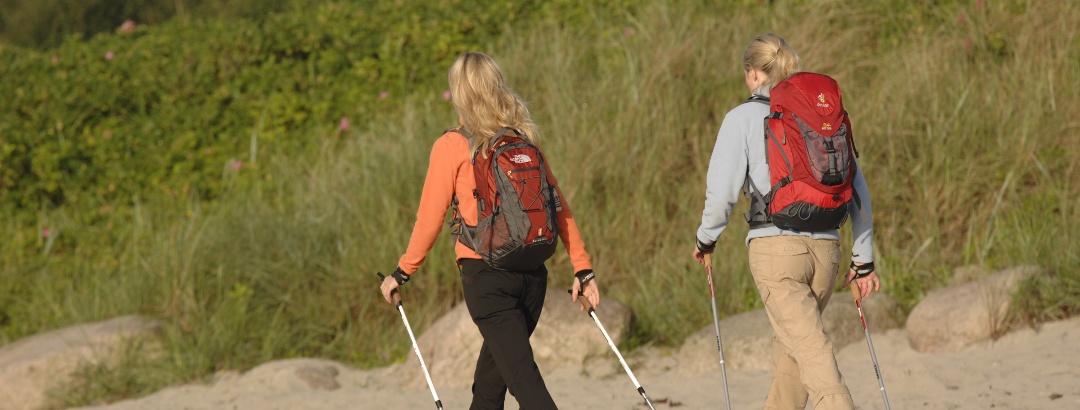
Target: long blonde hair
{"type": "Point", "coordinates": [772, 56]}
{"type": "Point", "coordinates": [483, 100]}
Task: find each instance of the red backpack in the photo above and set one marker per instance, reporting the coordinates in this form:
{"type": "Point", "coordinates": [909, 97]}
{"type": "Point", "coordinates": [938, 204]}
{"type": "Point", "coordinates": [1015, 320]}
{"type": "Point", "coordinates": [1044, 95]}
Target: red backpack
{"type": "Point", "coordinates": [811, 155]}
{"type": "Point", "coordinates": [516, 228]}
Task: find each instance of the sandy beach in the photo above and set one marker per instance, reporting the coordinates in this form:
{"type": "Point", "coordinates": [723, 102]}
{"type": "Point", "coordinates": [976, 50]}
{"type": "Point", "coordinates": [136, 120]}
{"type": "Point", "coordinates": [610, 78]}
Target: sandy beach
{"type": "Point", "coordinates": [1025, 369]}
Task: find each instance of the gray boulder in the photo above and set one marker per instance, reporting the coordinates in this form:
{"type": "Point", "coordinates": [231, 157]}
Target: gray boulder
{"type": "Point", "coordinates": [564, 337]}
{"type": "Point", "coordinates": [952, 318]}
{"type": "Point", "coordinates": [747, 336]}
{"type": "Point", "coordinates": [29, 367]}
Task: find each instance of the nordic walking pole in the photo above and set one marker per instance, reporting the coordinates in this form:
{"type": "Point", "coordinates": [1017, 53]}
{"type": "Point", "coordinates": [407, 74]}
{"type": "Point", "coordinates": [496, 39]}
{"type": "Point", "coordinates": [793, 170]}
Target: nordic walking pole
{"type": "Point", "coordinates": [873, 356]}
{"type": "Point", "coordinates": [396, 297]}
{"type": "Point", "coordinates": [592, 313]}
{"type": "Point", "coordinates": [716, 324]}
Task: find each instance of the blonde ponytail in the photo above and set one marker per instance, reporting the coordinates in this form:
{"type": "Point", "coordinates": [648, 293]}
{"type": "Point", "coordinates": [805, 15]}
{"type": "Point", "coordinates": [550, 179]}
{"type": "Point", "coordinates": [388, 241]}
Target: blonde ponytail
{"type": "Point", "coordinates": [772, 56]}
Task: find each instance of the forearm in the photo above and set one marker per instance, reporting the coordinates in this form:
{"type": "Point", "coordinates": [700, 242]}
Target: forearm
{"type": "Point", "coordinates": [727, 172]}
{"type": "Point", "coordinates": [862, 222]}
{"type": "Point", "coordinates": [571, 236]}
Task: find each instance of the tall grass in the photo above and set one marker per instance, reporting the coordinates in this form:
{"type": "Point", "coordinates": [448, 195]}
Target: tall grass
{"type": "Point", "coordinates": [963, 115]}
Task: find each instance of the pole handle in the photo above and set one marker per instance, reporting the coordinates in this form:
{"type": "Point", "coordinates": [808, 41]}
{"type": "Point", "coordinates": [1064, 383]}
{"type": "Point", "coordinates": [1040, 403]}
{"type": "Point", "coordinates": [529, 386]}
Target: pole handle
{"type": "Point", "coordinates": [708, 261]}
{"type": "Point", "coordinates": [395, 297]}
{"type": "Point", "coordinates": [855, 290]}
{"type": "Point", "coordinates": [584, 301]}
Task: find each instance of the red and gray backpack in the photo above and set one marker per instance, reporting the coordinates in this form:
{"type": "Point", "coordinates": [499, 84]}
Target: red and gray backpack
{"type": "Point", "coordinates": [811, 156]}
{"type": "Point", "coordinates": [516, 203]}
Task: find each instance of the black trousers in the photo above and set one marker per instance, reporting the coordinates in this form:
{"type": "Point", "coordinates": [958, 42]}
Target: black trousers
{"type": "Point", "coordinates": [505, 307]}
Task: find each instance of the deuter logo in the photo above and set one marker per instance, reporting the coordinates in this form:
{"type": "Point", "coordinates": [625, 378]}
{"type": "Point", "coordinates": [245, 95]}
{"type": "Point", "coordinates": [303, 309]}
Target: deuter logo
{"type": "Point", "coordinates": [520, 159]}
{"type": "Point", "coordinates": [821, 101]}
{"type": "Point", "coordinates": [826, 126]}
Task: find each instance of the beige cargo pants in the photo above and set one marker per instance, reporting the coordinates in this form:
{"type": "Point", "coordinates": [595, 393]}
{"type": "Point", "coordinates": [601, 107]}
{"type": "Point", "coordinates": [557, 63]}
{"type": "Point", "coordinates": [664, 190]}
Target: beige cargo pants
{"type": "Point", "coordinates": [795, 276]}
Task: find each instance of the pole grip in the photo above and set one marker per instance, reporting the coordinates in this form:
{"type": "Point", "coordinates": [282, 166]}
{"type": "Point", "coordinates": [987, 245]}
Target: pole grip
{"type": "Point", "coordinates": [855, 290]}
{"type": "Point", "coordinates": [584, 301]}
{"type": "Point", "coordinates": [395, 297]}
{"type": "Point", "coordinates": [708, 261]}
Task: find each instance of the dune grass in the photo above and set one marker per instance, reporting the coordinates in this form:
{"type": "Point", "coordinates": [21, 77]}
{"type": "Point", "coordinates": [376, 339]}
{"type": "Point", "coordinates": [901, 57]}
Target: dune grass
{"type": "Point", "coordinates": [963, 114]}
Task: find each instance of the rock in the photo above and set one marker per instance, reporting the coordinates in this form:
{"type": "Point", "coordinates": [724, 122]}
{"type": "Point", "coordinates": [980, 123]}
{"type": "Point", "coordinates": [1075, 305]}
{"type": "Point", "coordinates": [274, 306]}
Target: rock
{"type": "Point", "coordinates": [302, 374]}
{"type": "Point", "coordinates": [843, 324]}
{"type": "Point", "coordinates": [952, 318]}
{"type": "Point", "coordinates": [747, 336]}
{"type": "Point", "coordinates": [319, 377]}
{"type": "Point", "coordinates": [565, 336]}
{"type": "Point", "coordinates": [32, 365]}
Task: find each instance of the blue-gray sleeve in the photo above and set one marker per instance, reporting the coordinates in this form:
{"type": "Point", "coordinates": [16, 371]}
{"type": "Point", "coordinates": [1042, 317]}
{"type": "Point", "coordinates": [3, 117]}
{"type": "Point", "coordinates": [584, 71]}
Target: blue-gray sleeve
{"type": "Point", "coordinates": [862, 221]}
{"type": "Point", "coordinates": [727, 172]}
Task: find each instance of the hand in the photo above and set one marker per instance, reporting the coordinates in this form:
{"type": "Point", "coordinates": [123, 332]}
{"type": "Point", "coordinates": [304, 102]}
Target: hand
{"type": "Point", "coordinates": [701, 249]}
{"type": "Point", "coordinates": [866, 284]}
{"type": "Point", "coordinates": [591, 292]}
{"type": "Point", "coordinates": [699, 256]}
{"type": "Point", "coordinates": [388, 287]}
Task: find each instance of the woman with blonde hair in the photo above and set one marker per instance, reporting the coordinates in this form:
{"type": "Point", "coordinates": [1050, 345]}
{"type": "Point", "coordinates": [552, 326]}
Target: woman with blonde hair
{"type": "Point", "coordinates": [795, 271]}
{"type": "Point", "coordinates": [504, 304]}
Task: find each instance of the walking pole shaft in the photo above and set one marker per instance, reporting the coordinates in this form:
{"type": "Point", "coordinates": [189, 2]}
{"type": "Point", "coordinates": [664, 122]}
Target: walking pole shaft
{"type": "Point", "coordinates": [716, 324]}
{"type": "Point", "coordinates": [396, 298]}
{"type": "Point", "coordinates": [592, 313]}
{"type": "Point", "coordinates": [869, 343]}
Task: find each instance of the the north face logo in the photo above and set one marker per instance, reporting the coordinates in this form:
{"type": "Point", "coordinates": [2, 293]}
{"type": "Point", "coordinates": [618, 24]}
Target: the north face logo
{"type": "Point", "coordinates": [520, 159]}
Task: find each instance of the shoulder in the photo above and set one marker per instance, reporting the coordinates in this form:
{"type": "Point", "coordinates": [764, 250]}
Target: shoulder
{"type": "Point", "coordinates": [743, 122]}
{"type": "Point", "coordinates": [747, 112]}
{"type": "Point", "coordinates": [451, 139]}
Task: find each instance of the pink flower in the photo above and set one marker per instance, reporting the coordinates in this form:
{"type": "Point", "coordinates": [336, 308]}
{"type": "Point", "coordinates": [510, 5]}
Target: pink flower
{"type": "Point", "coordinates": [384, 95]}
{"type": "Point", "coordinates": [628, 31]}
{"type": "Point", "coordinates": [979, 4]}
{"type": "Point", "coordinates": [235, 164]}
{"type": "Point", "coordinates": [127, 27]}
{"type": "Point", "coordinates": [55, 59]}
{"type": "Point", "coordinates": [45, 233]}
{"type": "Point", "coordinates": [961, 18]}
{"type": "Point", "coordinates": [109, 55]}
{"type": "Point", "coordinates": [106, 134]}
{"type": "Point", "coordinates": [343, 125]}
{"type": "Point", "coordinates": [446, 95]}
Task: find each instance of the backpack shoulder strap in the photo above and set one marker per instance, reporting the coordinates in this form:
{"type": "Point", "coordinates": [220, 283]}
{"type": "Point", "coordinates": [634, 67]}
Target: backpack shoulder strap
{"type": "Point", "coordinates": [460, 130]}
{"type": "Point", "coordinates": [758, 99]}
{"type": "Point", "coordinates": [503, 131]}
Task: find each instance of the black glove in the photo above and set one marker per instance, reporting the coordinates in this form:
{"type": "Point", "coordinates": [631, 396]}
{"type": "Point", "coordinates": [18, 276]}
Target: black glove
{"type": "Point", "coordinates": [400, 276]}
{"type": "Point", "coordinates": [862, 271]}
{"type": "Point", "coordinates": [585, 276]}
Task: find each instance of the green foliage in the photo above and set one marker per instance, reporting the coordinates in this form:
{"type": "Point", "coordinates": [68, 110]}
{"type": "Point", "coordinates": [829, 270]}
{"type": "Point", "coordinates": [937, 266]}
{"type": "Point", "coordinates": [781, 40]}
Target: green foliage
{"type": "Point", "coordinates": [166, 111]}
{"type": "Point", "coordinates": [44, 24]}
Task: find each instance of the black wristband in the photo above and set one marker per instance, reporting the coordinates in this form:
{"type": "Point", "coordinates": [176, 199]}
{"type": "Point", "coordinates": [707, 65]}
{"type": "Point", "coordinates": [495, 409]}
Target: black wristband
{"type": "Point", "coordinates": [862, 271]}
{"type": "Point", "coordinates": [705, 248]}
{"type": "Point", "coordinates": [400, 276]}
{"type": "Point", "coordinates": [585, 276]}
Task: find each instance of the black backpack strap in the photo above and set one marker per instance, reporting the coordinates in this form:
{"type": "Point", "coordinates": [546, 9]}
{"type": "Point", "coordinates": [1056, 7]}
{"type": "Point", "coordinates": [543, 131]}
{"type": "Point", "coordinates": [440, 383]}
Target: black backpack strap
{"type": "Point", "coordinates": [456, 221]}
{"type": "Point", "coordinates": [757, 216]}
{"type": "Point", "coordinates": [758, 99]}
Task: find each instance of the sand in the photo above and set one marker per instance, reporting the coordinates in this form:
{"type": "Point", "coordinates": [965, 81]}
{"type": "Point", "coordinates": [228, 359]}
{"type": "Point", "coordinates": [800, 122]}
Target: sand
{"type": "Point", "coordinates": [1026, 369]}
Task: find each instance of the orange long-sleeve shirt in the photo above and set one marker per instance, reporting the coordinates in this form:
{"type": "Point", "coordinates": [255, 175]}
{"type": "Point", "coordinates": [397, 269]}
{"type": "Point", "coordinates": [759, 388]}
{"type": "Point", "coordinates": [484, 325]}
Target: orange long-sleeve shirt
{"type": "Point", "coordinates": [450, 172]}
